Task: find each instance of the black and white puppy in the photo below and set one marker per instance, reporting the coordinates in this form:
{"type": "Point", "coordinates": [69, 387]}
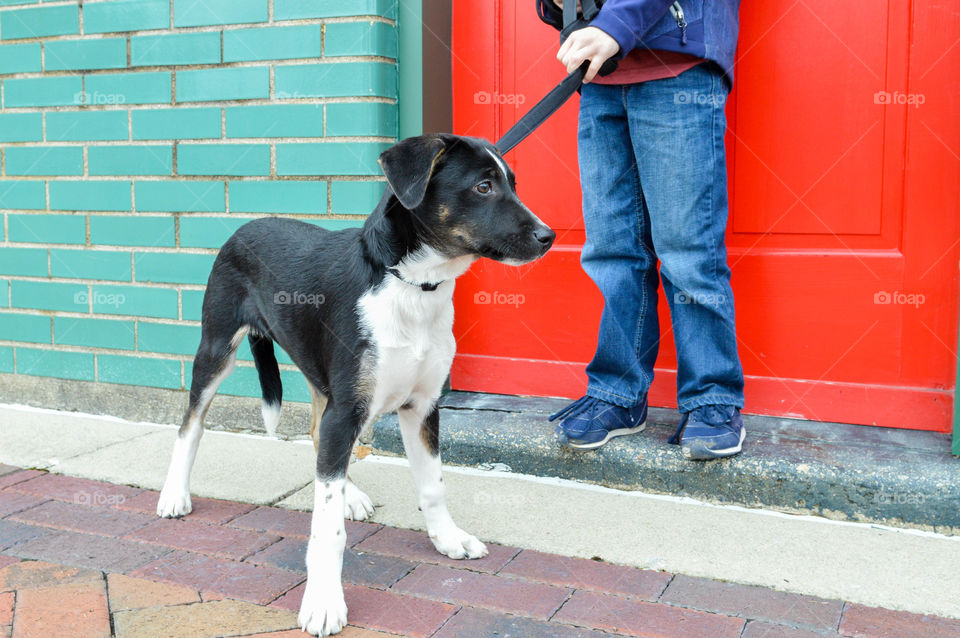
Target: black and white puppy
{"type": "Point", "coordinates": [367, 316]}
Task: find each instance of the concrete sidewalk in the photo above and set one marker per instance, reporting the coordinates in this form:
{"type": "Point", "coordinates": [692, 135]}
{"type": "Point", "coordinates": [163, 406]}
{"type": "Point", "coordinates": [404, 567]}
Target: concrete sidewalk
{"type": "Point", "coordinates": [865, 565]}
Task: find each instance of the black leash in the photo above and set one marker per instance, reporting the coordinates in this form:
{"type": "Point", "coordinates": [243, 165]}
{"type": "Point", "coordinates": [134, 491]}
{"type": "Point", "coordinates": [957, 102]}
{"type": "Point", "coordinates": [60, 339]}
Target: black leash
{"type": "Point", "coordinates": [553, 100]}
{"type": "Point", "coordinates": [543, 109]}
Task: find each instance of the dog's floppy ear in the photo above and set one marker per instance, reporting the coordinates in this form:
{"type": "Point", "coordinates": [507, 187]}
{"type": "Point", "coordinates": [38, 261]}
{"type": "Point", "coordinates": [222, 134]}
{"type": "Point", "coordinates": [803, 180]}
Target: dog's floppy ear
{"type": "Point", "coordinates": [408, 166]}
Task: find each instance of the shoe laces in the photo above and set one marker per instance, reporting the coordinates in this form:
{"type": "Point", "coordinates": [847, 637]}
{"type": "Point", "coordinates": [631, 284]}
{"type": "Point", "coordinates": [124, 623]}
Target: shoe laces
{"type": "Point", "coordinates": [579, 406]}
{"type": "Point", "coordinates": [718, 416]}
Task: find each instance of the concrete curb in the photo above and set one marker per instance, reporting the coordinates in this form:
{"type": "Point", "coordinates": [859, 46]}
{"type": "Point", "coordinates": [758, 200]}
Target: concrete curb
{"type": "Point", "coordinates": [841, 472]}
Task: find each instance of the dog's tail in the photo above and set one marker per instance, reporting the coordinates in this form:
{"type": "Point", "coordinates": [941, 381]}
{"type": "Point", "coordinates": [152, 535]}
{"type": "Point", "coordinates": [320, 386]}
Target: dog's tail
{"type": "Point", "coordinates": [266, 361]}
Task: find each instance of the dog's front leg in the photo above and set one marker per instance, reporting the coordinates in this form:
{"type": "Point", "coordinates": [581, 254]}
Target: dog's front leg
{"type": "Point", "coordinates": [323, 610]}
{"type": "Point", "coordinates": [421, 439]}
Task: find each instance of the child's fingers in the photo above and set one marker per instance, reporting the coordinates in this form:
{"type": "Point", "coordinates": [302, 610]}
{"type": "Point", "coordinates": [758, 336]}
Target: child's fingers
{"type": "Point", "coordinates": [595, 63]}
{"type": "Point", "coordinates": [561, 54]}
{"type": "Point", "coordinates": [575, 59]}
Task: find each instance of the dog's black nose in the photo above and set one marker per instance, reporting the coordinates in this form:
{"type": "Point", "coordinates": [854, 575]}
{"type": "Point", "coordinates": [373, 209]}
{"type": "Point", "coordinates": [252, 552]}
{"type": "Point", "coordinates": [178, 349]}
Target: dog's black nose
{"type": "Point", "coordinates": [545, 235]}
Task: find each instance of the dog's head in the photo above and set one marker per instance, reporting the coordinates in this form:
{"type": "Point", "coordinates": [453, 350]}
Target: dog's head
{"type": "Point", "coordinates": [462, 199]}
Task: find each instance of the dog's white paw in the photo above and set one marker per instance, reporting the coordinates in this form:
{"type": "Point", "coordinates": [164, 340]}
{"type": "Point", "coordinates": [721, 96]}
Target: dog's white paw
{"type": "Point", "coordinates": [172, 504]}
{"type": "Point", "coordinates": [456, 543]}
{"type": "Point", "coordinates": [322, 610]}
{"type": "Point", "coordinates": [357, 506]}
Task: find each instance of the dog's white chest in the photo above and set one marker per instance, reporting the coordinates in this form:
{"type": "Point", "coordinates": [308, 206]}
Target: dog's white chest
{"type": "Point", "coordinates": [412, 333]}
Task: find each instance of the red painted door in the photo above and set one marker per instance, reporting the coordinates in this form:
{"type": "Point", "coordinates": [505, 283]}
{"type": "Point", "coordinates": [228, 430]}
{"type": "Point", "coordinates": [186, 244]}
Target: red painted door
{"type": "Point", "coordinates": [844, 232]}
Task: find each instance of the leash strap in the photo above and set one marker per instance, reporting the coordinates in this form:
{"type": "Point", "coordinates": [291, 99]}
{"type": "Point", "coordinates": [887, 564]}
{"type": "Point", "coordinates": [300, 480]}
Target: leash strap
{"type": "Point", "coordinates": [553, 100]}
{"type": "Point", "coordinates": [543, 109]}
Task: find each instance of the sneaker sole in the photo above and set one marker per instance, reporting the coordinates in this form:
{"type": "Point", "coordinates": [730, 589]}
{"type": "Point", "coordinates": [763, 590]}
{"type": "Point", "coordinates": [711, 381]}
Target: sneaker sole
{"type": "Point", "coordinates": [707, 455]}
{"type": "Point", "coordinates": [610, 435]}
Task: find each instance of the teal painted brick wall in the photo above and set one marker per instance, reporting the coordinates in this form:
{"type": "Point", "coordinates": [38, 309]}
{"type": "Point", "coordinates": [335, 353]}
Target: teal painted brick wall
{"type": "Point", "coordinates": [89, 195]}
{"type": "Point", "coordinates": [175, 48]}
{"type": "Point", "coordinates": [23, 194]}
{"type": "Point", "coordinates": [20, 58]}
{"type": "Point", "coordinates": [21, 127]}
{"type": "Point", "coordinates": [75, 55]}
{"type": "Point", "coordinates": [155, 159]}
{"type": "Point", "coordinates": [289, 120]}
{"type": "Point", "coordinates": [174, 124]}
{"type": "Point", "coordinates": [40, 21]}
{"type": "Point", "coordinates": [125, 15]}
{"type": "Point", "coordinates": [86, 125]}
{"type": "Point", "coordinates": [137, 135]}
{"type": "Point", "coordinates": [90, 264]}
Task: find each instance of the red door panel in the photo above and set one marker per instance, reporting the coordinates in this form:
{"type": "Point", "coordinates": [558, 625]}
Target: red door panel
{"type": "Point", "coordinates": [844, 233]}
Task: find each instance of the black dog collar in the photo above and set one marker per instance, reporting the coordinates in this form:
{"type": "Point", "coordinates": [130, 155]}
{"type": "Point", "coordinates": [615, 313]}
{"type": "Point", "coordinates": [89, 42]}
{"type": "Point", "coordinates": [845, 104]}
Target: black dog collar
{"type": "Point", "coordinates": [426, 287]}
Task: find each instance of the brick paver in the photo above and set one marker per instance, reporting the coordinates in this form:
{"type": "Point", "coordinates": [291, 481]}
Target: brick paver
{"type": "Point", "coordinates": [753, 602]}
{"type": "Point", "coordinates": [88, 550]}
{"type": "Point", "coordinates": [76, 490]}
{"type": "Point", "coordinates": [79, 607]}
{"type": "Point", "coordinates": [639, 618]}
{"type": "Point", "coordinates": [471, 623]}
{"type": "Point", "coordinates": [861, 621]}
{"type": "Point", "coordinates": [35, 573]}
{"type": "Point", "coordinates": [12, 502]}
{"type": "Point", "coordinates": [202, 620]}
{"type": "Point", "coordinates": [205, 510]}
{"type": "Point", "coordinates": [587, 574]}
{"type": "Point", "coordinates": [206, 573]}
{"type": "Point", "coordinates": [82, 518]}
{"type": "Point", "coordinates": [293, 523]}
{"type": "Point", "coordinates": [514, 596]}
{"type": "Point", "coordinates": [416, 546]}
{"type": "Point", "coordinates": [6, 608]}
{"type": "Point", "coordinates": [761, 629]}
{"type": "Point", "coordinates": [11, 478]}
{"type": "Point", "coordinates": [127, 592]}
{"type": "Point", "coordinates": [12, 533]}
{"type": "Point", "coordinates": [77, 555]}
{"type": "Point", "coordinates": [204, 539]}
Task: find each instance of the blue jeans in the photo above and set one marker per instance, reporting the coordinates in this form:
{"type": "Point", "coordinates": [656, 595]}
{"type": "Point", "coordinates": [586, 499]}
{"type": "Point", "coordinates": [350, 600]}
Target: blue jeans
{"type": "Point", "coordinates": [653, 174]}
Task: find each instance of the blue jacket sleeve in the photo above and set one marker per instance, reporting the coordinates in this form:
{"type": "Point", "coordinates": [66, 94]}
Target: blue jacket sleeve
{"type": "Point", "coordinates": [626, 21]}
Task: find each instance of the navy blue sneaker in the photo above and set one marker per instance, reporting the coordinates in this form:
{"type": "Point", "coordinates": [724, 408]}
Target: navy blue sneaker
{"type": "Point", "coordinates": [589, 422]}
{"type": "Point", "coordinates": [710, 432]}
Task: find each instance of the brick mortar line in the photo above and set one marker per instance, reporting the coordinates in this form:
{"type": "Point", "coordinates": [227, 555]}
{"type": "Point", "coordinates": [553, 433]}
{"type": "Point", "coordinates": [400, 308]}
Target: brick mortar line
{"type": "Point", "coordinates": [165, 356]}
{"type": "Point", "coordinates": [229, 141]}
{"type": "Point", "coordinates": [106, 592]}
{"type": "Point", "coordinates": [177, 30]}
{"type": "Point", "coordinates": [110, 248]}
{"type": "Point", "coordinates": [98, 282]}
{"type": "Point", "coordinates": [157, 106]}
{"type": "Point", "coordinates": [238, 26]}
{"type": "Point", "coordinates": [88, 315]}
{"type": "Point", "coordinates": [202, 66]}
{"type": "Point", "coordinates": [190, 178]}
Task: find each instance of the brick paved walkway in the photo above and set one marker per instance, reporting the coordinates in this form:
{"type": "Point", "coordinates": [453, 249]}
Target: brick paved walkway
{"type": "Point", "coordinates": [82, 558]}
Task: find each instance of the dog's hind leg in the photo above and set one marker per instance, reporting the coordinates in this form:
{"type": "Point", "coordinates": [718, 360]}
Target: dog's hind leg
{"type": "Point", "coordinates": [420, 429]}
{"type": "Point", "coordinates": [269, 372]}
{"type": "Point", "coordinates": [323, 610]}
{"type": "Point", "coordinates": [213, 363]}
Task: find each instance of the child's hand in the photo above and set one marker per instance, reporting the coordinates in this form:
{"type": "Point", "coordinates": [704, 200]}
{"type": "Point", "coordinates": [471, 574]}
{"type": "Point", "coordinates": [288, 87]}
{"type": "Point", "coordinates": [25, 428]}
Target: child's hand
{"type": "Point", "coordinates": [589, 43]}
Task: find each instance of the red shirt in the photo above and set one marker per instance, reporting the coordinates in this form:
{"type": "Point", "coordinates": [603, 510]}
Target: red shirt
{"type": "Point", "coordinates": [642, 65]}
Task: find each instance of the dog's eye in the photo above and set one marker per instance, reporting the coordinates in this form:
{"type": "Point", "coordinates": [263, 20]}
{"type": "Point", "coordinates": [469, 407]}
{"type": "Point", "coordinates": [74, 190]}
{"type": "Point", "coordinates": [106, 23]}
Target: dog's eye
{"type": "Point", "coordinates": [484, 187]}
